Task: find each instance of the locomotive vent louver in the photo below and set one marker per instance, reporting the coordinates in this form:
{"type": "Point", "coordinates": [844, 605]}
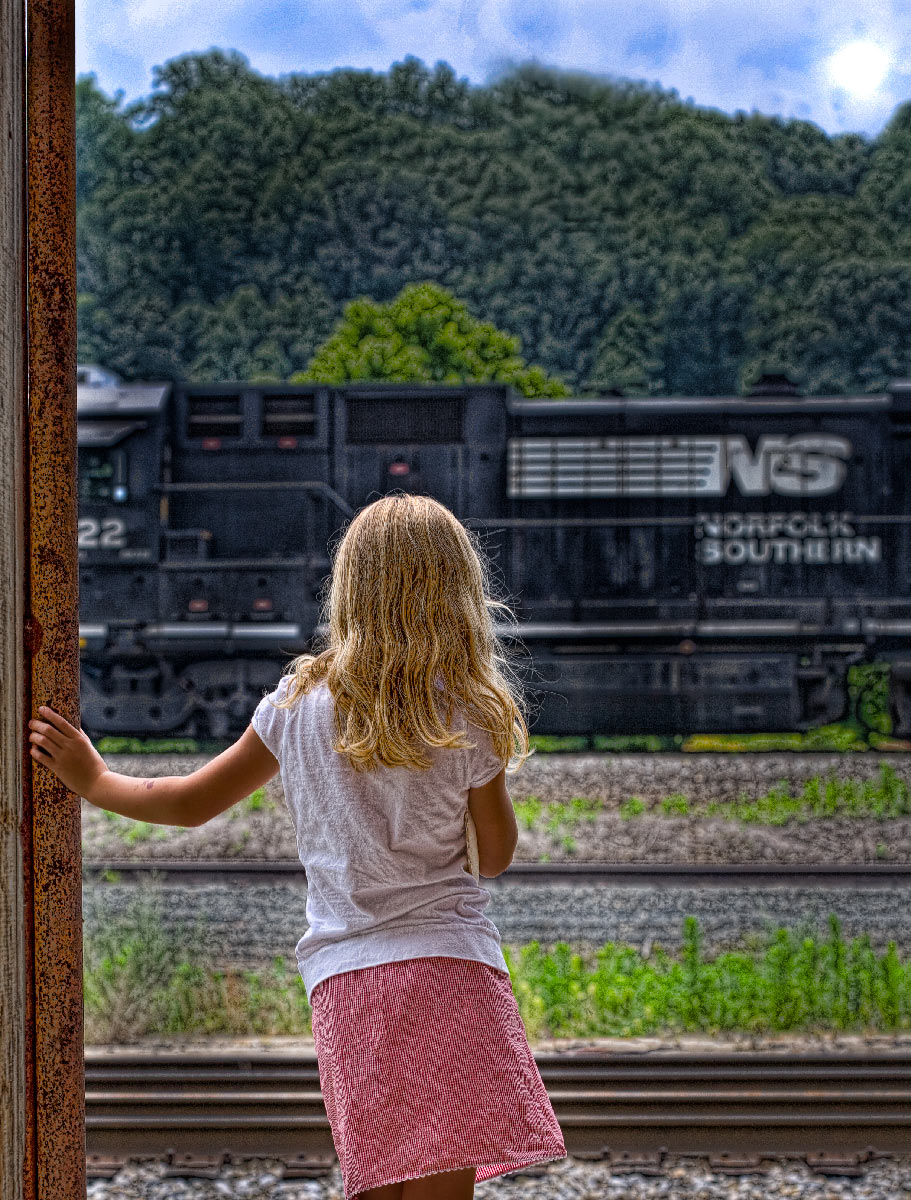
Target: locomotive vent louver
{"type": "Point", "coordinates": [774, 385]}
{"type": "Point", "coordinates": [665, 465]}
{"type": "Point", "coordinates": [214, 415]}
{"type": "Point", "coordinates": [289, 415]}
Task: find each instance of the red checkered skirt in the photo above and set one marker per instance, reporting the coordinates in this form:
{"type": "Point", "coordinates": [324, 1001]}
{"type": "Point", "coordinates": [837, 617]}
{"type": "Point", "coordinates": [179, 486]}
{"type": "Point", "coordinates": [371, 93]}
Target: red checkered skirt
{"type": "Point", "coordinates": [425, 1066]}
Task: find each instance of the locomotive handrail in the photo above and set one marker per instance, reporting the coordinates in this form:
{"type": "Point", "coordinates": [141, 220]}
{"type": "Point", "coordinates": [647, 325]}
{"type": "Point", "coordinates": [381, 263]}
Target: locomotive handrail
{"type": "Point", "coordinates": [600, 629]}
{"type": "Point", "coordinates": [312, 485]}
{"type": "Point", "coordinates": [565, 522]}
{"type": "Point", "coordinates": [506, 522]}
{"type": "Point", "coordinates": [309, 562]}
{"type": "Point", "coordinates": [759, 405]}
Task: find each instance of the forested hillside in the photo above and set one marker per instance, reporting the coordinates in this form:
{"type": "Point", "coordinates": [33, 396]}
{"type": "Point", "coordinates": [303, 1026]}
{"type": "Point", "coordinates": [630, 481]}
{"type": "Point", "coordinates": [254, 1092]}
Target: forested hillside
{"type": "Point", "coordinates": [624, 237]}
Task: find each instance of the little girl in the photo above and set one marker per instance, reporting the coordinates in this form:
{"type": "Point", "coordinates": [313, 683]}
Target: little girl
{"type": "Point", "coordinates": [425, 1068]}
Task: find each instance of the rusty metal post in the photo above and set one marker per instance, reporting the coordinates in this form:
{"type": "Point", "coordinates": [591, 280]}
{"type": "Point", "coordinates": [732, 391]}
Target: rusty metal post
{"type": "Point", "coordinates": [54, 855]}
{"type": "Point", "coordinates": [16, 1149]}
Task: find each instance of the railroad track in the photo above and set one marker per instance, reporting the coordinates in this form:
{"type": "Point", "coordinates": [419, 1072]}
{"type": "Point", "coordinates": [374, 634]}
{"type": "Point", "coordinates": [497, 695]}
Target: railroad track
{"type": "Point", "coordinates": [198, 1108]}
{"type": "Point", "coordinates": [840, 875]}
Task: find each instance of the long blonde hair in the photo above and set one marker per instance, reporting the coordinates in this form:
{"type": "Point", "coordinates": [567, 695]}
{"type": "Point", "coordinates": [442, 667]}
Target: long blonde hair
{"type": "Point", "coordinates": [408, 609]}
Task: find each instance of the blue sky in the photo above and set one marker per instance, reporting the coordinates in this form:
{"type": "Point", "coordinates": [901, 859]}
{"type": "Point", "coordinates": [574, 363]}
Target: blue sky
{"type": "Point", "coordinates": [842, 64]}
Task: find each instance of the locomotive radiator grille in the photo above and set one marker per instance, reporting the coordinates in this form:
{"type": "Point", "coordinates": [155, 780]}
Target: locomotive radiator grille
{"type": "Point", "coordinates": [614, 466]}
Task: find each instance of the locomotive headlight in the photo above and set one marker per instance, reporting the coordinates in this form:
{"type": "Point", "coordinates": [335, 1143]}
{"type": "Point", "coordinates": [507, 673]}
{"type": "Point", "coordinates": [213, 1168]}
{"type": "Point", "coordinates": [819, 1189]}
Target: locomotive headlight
{"type": "Point", "coordinates": [686, 646]}
{"type": "Point", "coordinates": [120, 493]}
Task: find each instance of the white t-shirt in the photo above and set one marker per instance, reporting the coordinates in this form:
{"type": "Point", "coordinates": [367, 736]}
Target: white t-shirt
{"type": "Point", "coordinates": [384, 850]}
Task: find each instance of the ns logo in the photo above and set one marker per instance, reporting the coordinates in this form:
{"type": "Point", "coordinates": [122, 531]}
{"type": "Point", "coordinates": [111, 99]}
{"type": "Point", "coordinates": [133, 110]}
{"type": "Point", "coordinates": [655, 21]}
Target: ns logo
{"type": "Point", "coordinates": [807, 464]}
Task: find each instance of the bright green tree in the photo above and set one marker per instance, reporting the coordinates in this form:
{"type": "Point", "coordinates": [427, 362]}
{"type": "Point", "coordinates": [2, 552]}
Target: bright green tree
{"type": "Point", "coordinates": [424, 335]}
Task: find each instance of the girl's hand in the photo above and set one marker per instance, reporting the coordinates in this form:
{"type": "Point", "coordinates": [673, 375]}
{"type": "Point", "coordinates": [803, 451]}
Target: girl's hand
{"type": "Point", "coordinates": [66, 751]}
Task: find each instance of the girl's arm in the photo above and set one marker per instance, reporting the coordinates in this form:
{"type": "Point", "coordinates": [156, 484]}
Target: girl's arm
{"type": "Point", "coordinates": [184, 800]}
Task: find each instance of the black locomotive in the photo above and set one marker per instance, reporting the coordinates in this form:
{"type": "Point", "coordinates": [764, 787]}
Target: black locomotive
{"type": "Point", "coordinates": [693, 563]}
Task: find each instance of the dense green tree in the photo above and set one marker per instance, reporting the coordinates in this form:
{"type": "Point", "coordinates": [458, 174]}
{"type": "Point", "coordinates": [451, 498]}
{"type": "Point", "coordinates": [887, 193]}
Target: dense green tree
{"type": "Point", "coordinates": [886, 185]}
{"type": "Point", "coordinates": [851, 329]}
{"type": "Point", "coordinates": [630, 354]}
{"type": "Point", "coordinates": [425, 334]}
{"type": "Point", "coordinates": [621, 236]}
{"type": "Point", "coordinates": [243, 337]}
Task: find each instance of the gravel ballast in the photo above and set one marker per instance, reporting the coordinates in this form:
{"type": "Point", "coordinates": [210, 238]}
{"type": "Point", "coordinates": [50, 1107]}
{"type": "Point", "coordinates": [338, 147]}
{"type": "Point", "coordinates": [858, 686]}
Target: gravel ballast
{"type": "Point", "coordinates": [263, 922]}
{"type": "Point", "coordinates": [569, 1179]}
{"type": "Point", "coordinates": [253, 925]}
{"type": "Point", "coordinates": [609, 779]}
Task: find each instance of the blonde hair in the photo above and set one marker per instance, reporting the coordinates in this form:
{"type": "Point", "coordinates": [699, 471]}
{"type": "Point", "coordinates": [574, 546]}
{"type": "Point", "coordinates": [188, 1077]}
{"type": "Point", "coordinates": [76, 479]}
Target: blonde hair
{"type": "Point", "coordinates": [408, 608]}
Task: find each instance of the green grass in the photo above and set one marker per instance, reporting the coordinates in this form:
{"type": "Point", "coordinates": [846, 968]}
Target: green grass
{"type": "Point", "coordinates": [838, 738]}
{"type": "Point", "coordinates": [675, 805]}
{"type": "Point", "coordinates": [633, 807]}
{"type": "Point", "coordinates": [135, 745]}
{"type": "Point", "coordinates": [139, 982]}
{"type": "Point", "coordinates": [255, 802]}
{"type": "Point", "coordinates": [131, 831]}
{"type": "Point", "coordinates": [881, 798]}
{"type": "Point", "coordinates": [559, 820]}
{"type": "Point", "coordinates": [794, 982]}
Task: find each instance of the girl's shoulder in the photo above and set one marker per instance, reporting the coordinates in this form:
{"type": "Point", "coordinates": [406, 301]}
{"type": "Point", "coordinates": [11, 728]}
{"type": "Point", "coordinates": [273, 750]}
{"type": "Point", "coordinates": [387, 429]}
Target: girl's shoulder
{"type": "Point", "coordinates": [285, 688]}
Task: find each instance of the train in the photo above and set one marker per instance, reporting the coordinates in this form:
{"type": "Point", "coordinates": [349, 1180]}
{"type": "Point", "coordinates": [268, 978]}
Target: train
{"type": "Point", "coordinates": [674, 564]}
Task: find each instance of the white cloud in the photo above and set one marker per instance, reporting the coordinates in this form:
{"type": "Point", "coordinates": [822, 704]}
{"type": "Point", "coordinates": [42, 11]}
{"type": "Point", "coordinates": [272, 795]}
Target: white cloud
{"type": "Point", "coordinates": [728, 54]}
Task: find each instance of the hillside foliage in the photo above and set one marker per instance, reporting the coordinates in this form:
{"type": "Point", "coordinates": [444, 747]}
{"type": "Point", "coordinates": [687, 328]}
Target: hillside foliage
{"type": "Point", "coordinates": [604, 231]}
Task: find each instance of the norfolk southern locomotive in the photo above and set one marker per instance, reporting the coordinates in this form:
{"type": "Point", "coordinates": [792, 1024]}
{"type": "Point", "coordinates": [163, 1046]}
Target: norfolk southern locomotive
{"type": "Point", "coordinates": [693, 563]}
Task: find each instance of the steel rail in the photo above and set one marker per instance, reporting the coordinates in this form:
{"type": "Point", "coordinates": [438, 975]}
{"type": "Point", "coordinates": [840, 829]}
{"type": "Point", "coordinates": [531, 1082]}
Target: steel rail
{"type": "Point", "coordinates": [835, 1107]}
{"type": "Point", "coordinates": [657, 875]}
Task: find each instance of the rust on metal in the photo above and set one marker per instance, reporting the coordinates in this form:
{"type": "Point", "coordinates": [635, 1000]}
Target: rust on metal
{"type": "Point", "coordinates": [34, 635]}
{"type": "Point", "coordinates": [52, 603]}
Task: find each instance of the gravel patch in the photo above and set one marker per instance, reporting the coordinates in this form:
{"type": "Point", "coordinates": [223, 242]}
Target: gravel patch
{"type": "Point", "coordinates": [252, 926]}
{"type": "Point", "coordinates": [830, 1042]}
{"type": "Point", "coordinates": [609, 779]}
{"type": "Point", "coordinates": [267, 921]}
{"type": "Point", "coordinates": [568, 1179]}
